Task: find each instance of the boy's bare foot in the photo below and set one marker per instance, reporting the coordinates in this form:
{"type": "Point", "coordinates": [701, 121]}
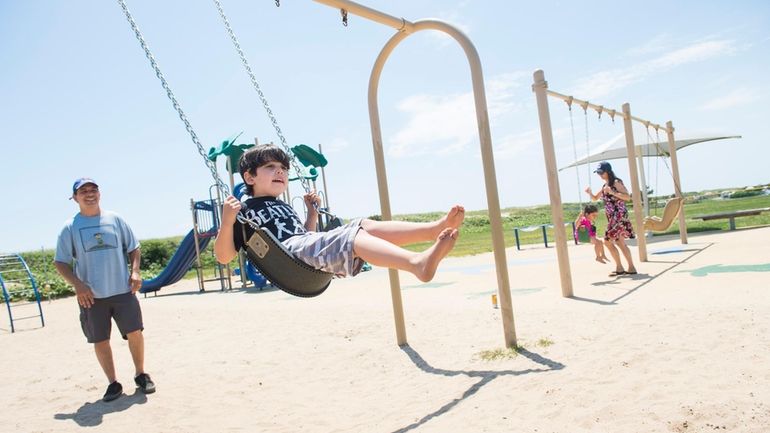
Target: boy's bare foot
{"type": "Point", "coordinates": [454, 218]}
{"type": "Point", "coordinates": [600, 260]}
{"type": "Point", "coordinates": [427, 262]}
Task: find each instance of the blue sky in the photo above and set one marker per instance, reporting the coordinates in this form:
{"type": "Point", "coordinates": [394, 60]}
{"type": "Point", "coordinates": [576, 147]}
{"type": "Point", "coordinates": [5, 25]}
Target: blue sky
{"type": "Point", "coordinates": [78, 97]}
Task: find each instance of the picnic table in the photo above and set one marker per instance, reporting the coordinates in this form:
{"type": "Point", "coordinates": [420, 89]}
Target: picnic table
{"type": "Point", "coordinates": [732, 215]}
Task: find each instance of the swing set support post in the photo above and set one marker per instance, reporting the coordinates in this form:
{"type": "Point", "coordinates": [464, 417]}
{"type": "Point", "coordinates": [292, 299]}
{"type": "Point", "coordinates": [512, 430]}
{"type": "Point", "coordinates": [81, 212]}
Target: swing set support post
{"type": "Point", "coordinates": [635, 191]}
{"type": "Point", "coordinates": [540, 88]}
{"type": "Point", "coordinates": [677, 182]}
{"type": "Point", "coordinates": [406, 28]}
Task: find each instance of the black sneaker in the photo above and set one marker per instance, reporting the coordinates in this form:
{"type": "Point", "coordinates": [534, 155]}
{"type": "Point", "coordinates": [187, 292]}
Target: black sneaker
{"type": "Point", "coordinates": [144, 383]}
{"type": "Point", "coordinates": [114, 391]}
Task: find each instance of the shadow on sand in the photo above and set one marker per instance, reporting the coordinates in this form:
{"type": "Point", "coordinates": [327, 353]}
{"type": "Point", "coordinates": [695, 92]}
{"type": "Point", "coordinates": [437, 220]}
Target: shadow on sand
{"type": "Point", "coordinates": [247, 290]}
{"type": "Point", "coordinates": [644, 279]}
{"type": "Point", "coordinates": [485, 376]}
{"type": "Point", "coordinates": [91, 414]}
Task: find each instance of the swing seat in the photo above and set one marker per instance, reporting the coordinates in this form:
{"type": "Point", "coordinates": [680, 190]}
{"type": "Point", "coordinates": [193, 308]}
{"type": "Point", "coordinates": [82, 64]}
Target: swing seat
{"type": "Point", "coordinates": [582, 235]}
{"type": "Point", "coordinates": [284, 270]}
{"type": "Point", "coordinates": [670, 212]}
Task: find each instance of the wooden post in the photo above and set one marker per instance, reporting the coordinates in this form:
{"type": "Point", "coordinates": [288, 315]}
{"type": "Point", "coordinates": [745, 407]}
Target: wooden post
{"type": "Point", "coordinates": [635, 191]}
{"type": "Point", "coordinates": [549, 155]}
{"type": "Point", "coordinates": [677, 182]}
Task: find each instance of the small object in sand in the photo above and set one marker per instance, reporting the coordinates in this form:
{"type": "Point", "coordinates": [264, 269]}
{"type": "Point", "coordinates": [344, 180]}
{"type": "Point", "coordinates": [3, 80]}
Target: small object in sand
{"type": "Point", "coordinates": [494, 300]}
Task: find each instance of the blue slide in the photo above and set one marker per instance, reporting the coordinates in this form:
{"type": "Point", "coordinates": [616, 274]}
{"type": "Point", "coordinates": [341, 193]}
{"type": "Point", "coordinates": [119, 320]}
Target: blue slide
{"type": "Point", "coordinates": [255, 276]}
{"type": "Point", "coordinates": [177, 267]}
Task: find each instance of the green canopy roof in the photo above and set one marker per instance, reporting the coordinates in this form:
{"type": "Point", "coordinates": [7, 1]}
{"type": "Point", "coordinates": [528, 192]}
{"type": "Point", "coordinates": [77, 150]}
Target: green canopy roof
{"type": "Point", "coordinates": [308, 156]}
{"type": "Point", "coordinates": [231, 150]}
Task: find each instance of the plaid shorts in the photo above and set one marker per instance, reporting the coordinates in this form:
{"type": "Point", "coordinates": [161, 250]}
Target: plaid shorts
{"type": "Point", "coordinates": [330, 251]}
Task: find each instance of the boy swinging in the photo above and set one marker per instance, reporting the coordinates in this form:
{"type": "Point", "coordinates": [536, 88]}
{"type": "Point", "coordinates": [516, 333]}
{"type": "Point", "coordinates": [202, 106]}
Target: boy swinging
{"type": "Point", "coordinates": [341, 251]}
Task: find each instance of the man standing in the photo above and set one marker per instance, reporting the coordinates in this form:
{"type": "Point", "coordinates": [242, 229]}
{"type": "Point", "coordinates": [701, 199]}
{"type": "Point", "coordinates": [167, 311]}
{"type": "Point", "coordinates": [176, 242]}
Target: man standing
{"type": "Point", "coordinates": [92, 254]}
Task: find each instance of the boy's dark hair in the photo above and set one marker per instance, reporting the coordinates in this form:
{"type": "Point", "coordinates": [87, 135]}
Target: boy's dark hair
{"type": "Point", "coordinates": [589, 209]}
{"type": "Point", "coordinates": [258, 156]}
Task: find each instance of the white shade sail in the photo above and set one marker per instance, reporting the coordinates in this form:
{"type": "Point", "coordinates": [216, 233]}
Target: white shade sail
{"type": "Point", "coordinates": [647, 149]}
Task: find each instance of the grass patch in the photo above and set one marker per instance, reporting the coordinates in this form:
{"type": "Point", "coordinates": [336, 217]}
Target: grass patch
{"type": "Point", "coordinates": [499, 354]}
{"type": "Point", "coordinates": [512, 353]}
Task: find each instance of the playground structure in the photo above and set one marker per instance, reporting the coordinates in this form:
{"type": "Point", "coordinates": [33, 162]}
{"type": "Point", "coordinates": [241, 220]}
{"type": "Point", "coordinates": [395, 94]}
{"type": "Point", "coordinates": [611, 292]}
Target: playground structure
{"type": "Point", "coordinates": [540, 88]}
{"type": "Point", "coordinates": [206, 220]}
{"type": "Point", "coordinates": [17, 282]}
{"type": "Point", "coordinates": [205, 215]}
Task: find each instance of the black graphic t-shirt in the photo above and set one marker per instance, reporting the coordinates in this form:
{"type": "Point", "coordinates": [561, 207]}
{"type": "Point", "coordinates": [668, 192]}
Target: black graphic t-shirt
{"type": "Point", "coordinates": [275, 215]}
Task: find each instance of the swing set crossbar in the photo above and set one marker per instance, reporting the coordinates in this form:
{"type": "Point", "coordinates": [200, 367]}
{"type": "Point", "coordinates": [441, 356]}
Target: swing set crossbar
{"type": "Point", "coordinates": [602, 109]}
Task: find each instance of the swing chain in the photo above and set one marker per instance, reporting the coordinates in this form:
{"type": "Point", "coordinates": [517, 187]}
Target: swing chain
{"type": "Point", "coordinates": [344, 14]}
{"type": "Point", "coordinates": [263, 99]}
{"type": "Point", "coordinates": [574, 150]}
{"type": "Point", "coordinates": [588, 145]}
{"type": "Point", "coordinates": [666, 156]}
{"type": "Point", "coordinates": [210, 164]}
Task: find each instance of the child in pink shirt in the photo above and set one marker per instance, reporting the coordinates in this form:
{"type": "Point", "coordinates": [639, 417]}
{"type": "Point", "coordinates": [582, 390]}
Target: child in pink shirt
{"type": "Point", "coordinates": [586, 221]}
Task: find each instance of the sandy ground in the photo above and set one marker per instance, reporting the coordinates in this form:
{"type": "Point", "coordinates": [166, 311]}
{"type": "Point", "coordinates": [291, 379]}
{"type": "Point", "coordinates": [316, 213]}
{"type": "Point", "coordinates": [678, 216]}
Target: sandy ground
{"type": "Point", "coordinates": [683, 347]}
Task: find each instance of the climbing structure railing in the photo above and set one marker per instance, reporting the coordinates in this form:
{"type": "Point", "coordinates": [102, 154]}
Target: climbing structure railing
{"type": "Point", "coordinates": [19, 289]}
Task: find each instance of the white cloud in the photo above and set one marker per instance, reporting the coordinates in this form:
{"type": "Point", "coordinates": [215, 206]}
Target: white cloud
{"type": "Point", "coordinates": [607, 82]}
{"type": "Point", "coordinates": [453, 17]}
{"type": "Point", "coordinates": [447, 124]}
{"type": "Point", "coordinates": [654, 45]}
{"type": "Point", "coordinates": [735, 98]}
{"type": "Point", "coordinates": [336, 144]}
{"type": "Point", "coordinates": [514, 144]}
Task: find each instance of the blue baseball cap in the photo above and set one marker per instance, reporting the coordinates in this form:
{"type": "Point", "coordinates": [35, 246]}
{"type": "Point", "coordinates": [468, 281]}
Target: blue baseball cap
{"type": "Point", "coordinates": [82, 181]}
{"type": "Point", "coordinates": [603, 167]}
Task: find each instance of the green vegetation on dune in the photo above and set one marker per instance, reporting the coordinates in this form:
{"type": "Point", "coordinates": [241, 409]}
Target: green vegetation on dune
{"type": "Point", "coordinates": [476, 237]}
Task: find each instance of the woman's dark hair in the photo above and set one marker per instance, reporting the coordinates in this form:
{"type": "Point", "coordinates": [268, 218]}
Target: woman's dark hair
{"type": "Point", "coordinates": [258, 156]}
{"type": "Point", "coordinates": [590, 208]}
{"type": "Point", "coordinates": [611, 178]}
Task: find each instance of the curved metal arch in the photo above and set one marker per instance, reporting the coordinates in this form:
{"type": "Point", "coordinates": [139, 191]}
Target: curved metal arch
{"type": "Point", "coordinates": [490, 178]}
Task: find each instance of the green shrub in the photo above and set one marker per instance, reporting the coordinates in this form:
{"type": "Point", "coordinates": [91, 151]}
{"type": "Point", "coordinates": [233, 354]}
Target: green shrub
{"type": "Point", "coordinates": [157, 252]}
{"type": "Point", "coordinates": [746, 193]}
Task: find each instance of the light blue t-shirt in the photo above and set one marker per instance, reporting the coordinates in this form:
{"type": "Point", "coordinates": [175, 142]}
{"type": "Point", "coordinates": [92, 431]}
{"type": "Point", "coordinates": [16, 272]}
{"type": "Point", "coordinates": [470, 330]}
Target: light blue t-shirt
{"type": "Point", "coordinates": [98, 246]}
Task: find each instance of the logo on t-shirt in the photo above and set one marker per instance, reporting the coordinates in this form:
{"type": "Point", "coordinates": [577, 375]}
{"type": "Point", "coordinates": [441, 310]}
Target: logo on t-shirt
{"type": "Point", "coordinates": [276, 216]}
{"type": "Point", "coordinates": [97, 238]}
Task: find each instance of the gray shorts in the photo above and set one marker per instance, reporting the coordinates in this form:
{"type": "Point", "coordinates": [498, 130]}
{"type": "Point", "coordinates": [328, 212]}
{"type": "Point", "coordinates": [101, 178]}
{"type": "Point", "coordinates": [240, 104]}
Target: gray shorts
{"type": "Point", "coordinates": [330, 251]}
{"type": "Point", "coordinates": [96, 321]}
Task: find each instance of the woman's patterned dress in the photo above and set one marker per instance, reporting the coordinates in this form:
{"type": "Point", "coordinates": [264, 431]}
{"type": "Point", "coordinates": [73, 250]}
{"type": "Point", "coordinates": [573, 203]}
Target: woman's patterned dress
{"type": "Point", "coordinates": [618, 224]}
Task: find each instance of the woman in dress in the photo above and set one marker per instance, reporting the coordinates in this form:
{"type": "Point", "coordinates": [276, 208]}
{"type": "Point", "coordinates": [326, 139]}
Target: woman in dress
{"type": "Point", "coordinates": [619, 228]}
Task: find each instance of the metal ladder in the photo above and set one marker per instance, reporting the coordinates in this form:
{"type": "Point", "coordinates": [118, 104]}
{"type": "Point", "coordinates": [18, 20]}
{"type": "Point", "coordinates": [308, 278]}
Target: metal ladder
{"type": "Point", "coordinates": [18, 286]}
{"type": "Point", "coordinates": [205, 215]}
